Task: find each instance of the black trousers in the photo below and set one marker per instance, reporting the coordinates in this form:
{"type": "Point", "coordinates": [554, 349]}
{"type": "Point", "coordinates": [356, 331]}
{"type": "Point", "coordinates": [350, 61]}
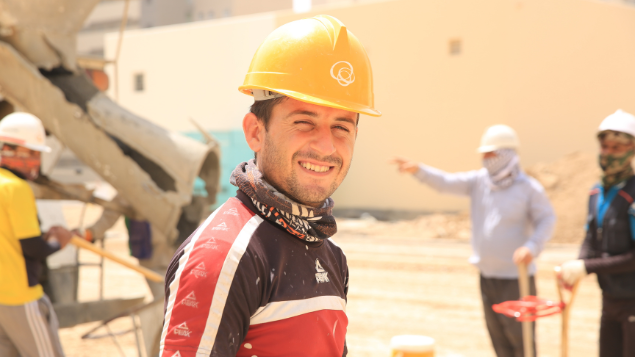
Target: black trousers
{"type": "Point", "coordinates": [506, 333]}
{"type": "Point", "coordinates": [617, 328]}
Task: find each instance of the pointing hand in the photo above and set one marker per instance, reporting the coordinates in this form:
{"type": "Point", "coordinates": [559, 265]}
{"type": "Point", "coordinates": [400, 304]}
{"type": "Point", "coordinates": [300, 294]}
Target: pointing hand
{"type": "Point", "coordinates": [405, 165]}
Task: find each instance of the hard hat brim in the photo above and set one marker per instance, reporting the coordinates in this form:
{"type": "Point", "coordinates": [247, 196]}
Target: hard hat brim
{"type": "Point", "coordinates": [490, 148]}
{"type": "Point", "coordinates": [40, 148]}
{"type": "Point", "coordinates": [487, 148]}
{"type": "Point", "coordinates": [351, 107]}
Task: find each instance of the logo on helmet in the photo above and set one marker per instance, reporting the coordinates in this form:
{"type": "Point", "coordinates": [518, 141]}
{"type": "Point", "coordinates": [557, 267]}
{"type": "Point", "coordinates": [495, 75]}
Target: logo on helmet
{"type": "Point", "coordinates": [342, 72]}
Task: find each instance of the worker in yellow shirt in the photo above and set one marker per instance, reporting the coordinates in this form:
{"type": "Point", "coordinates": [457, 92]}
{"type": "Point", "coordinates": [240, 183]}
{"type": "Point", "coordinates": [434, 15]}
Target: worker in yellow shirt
{"type": "Point", "coordinates": [28, 324]}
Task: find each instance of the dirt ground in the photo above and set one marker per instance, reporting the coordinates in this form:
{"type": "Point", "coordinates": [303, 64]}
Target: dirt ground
{"type": "Point", "coordinates": [401, 283]}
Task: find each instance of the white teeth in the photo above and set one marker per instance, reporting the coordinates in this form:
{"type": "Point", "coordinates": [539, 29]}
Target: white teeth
{"type": "Point", "coordinates": [315, 168]}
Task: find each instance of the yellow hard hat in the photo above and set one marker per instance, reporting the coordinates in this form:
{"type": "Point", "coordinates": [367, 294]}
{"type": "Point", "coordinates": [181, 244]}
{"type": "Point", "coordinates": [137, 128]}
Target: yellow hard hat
{"type": "Point", "coordinates": [315, 60]}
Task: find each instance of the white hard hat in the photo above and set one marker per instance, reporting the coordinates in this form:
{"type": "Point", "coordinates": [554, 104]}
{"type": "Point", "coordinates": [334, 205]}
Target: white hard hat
{"type": "Point", "coordinates": [498, 137]}
{"type": "Point", "coordinates": [23, 129]}
{"type": "Point", "coordinates": [619, 121]}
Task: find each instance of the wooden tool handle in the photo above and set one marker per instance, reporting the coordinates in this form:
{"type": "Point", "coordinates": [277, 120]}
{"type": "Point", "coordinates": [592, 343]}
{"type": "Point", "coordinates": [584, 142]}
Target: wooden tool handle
{"type": "Point", "coordinates": [566, 311]}
{"type": "Point", "coordinates": [81, 243]}
{"type": "Point", "coordinates": [528, 332]}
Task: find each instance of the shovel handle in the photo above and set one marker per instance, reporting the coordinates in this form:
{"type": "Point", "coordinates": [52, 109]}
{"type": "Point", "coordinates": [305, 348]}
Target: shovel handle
{"type": "Point", "coordinates": [566, 310]}
{"type": "Point", "coordinates": [528, 332]}
{"type": "Point", "coordinates": [81, 243]}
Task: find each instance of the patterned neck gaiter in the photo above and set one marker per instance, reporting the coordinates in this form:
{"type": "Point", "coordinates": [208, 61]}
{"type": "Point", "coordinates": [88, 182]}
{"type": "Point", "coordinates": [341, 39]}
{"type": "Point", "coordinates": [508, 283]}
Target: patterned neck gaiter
{"type": "Point", "coordinates": [616, 167]}
{"type": "Point", "coordinates": [307, 223]}
{"type": "Point", "coordinates": [502, 168]}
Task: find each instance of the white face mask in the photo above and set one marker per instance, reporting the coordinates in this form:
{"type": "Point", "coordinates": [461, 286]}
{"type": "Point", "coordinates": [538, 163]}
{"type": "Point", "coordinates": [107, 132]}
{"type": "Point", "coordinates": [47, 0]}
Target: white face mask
{"type": "Point", "coordinates": [502, 168]}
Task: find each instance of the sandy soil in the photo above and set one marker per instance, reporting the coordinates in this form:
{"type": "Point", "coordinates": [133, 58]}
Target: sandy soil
{"type": "Point", "coordinates": [400, 284]}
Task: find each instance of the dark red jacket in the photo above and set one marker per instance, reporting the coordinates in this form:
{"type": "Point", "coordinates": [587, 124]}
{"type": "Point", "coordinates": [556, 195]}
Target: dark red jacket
{"type": "Point", "coordinates": [242, 286]}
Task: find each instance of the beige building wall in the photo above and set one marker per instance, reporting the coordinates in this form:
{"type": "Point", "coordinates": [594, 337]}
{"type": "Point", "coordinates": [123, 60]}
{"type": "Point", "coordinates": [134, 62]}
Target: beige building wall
{"type": "Point", "coordinates": [444, 70]}
{"type": "Point", "coordinates": [189, 71]}
{"type": "Point", "coordinates": [550, 69]}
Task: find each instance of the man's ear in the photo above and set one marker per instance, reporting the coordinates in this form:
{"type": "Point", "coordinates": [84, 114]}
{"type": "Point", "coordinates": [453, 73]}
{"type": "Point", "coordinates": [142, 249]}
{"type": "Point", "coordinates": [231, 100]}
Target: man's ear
{"type": "Point", "coordinates": [254, 130]}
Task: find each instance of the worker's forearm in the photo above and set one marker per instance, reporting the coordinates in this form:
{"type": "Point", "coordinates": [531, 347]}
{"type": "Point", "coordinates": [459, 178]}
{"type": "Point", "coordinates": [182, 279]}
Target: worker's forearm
{"type": "Point", "coordinates": [454, 183]}
{"type": "Point", "coordinates": [37, 248]}
{"type": "Point", "coordinates": [616, 264]}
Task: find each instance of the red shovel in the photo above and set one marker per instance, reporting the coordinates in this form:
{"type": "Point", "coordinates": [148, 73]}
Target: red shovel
{"type": "Point", "coordinates": [530, 308]}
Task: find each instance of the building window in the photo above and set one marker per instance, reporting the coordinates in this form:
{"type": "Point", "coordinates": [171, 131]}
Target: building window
{"type": "Point", "coordinates": [139, 83]}
{"type": "Point", "coordinates": [227, 13]}
{"type": "Point", "coordinates": [455, 47]}
{"type": "Point", "coordinates": [210, 14]}
{"type": "Point", "coordinates": [201, 15]}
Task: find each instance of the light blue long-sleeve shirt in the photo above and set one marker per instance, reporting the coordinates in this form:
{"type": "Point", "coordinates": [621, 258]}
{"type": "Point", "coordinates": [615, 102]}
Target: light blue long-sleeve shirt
{"type": "Point", "coordinates": [502, 220]}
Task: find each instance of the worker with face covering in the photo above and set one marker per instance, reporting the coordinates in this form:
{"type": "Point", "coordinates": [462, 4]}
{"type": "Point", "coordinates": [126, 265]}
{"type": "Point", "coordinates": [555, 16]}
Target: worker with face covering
{"type": "Point", "coordinates": [504, 202]}
{"type": "Point", "coordinates": [608, 249]}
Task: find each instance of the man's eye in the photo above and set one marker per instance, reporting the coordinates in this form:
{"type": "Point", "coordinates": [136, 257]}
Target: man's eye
{"type": "Point", "coordinates": [342, 128]}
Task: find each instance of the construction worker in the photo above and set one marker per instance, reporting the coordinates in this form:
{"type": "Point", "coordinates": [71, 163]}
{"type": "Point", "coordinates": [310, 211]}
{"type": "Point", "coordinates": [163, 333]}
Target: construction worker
{"type": "Point", "coordinates": [608, 249]}
{"type": "Point", "coordinates": [260, 276]}
{"type": "Point", "coordinates": [28, 324]}
{"type": "Point", "coordinates": [505, 202]}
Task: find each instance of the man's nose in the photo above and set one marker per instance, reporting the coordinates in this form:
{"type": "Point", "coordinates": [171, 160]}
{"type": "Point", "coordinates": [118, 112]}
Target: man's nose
{"type": "Point", "coordinates": [323, 142]}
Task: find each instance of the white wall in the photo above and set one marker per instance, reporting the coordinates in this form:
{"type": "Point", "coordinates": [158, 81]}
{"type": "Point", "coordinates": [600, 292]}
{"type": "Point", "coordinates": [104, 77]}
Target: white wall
{"type": "Point", "coordinates": [191, 70]}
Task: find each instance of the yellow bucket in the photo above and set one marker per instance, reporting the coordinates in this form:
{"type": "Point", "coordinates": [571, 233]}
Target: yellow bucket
{"type": "Point", "coordinates": [412, 346]}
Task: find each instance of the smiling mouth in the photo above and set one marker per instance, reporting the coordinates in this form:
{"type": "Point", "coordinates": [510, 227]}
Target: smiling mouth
{"type": "Point", "coordinates": [316, 168]}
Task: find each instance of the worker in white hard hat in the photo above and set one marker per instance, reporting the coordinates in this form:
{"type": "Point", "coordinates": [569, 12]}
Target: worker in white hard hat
{"type": "Point", "coordinates": [28, 324]}
{"type": "Point", "coordinates": [608, 249]}
{"type": "Point", "coordinates": [504, 203]}
{"type": "Point", "coordinates": [261, 277]}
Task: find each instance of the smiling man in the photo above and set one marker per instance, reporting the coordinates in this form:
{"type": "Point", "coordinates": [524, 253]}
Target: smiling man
{"type": "Point", "coordinates": [260, 276]}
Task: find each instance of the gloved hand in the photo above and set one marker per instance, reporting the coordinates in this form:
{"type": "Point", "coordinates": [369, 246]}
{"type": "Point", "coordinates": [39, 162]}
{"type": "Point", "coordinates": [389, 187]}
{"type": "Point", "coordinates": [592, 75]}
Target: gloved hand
{"type": "Point", "coordinates": [572, 271]}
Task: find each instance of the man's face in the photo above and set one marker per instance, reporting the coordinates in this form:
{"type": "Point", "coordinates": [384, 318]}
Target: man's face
{"type": "Point", "coordinates": [306, 150]}
{"type": "Point", "coordinates": [614, 147]}
{"type": "Point", "coordinates": [489, 155]}
{"type": "Point", "coordinates": [23, 160]}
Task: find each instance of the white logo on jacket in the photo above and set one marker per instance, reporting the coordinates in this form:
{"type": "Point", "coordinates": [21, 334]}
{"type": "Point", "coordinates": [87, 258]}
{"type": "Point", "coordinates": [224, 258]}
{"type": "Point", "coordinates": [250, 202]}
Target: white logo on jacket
{"type": "Point", "coordinates": [342, 72]}
{"type": "Point", "coordinates": [199, 271]}
{"type": "Point", "coordinates": [220, 227]}
{"type": "Point", "coordinates": [182, 330]}
{"type": "Point", "coordinates": [231, 211]}
{"type": "Point", "coordinates": [190, 301]}
{"type": "Point", "coordinates": [210, 244]}
{"type": "Point", "coordinates": [321, 276]}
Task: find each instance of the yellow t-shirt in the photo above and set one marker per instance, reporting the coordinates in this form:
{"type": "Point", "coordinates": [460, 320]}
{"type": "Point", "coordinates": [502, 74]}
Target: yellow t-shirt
{"type": "Point", "coordinates": [18, 220]}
